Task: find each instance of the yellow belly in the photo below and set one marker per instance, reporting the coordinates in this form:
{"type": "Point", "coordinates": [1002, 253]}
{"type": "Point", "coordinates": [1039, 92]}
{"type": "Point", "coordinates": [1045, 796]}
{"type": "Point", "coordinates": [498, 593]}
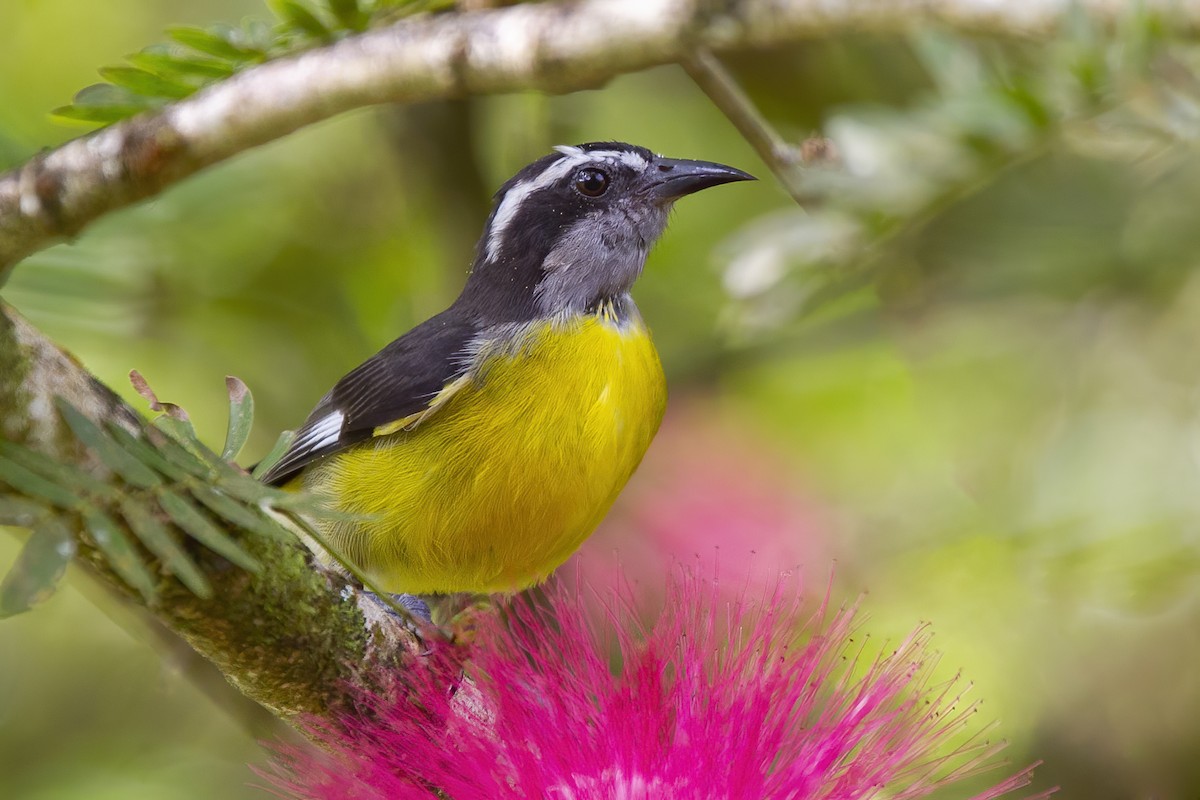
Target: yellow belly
{"type": "Point", "coordinates": [505, 480]}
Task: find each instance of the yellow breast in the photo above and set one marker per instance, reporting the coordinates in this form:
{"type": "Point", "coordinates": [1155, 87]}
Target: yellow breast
{"type": "Point", "coordinates": [508, 477]}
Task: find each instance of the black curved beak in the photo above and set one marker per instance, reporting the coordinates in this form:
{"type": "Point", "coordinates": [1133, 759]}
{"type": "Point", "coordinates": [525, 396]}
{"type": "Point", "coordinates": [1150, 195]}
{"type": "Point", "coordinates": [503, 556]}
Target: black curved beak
{"type": "Point", "coordinates": [677, 177]}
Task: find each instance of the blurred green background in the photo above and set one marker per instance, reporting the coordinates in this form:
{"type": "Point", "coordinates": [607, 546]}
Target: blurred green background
{"type": "Point", "coordinates": [968, 373]}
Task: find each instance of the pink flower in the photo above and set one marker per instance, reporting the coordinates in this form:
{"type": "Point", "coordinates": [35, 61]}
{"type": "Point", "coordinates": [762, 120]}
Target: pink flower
{"type": "Point", "coordinates": [716, 699]}
{"type": "Point", "coordinates": [709, 492]}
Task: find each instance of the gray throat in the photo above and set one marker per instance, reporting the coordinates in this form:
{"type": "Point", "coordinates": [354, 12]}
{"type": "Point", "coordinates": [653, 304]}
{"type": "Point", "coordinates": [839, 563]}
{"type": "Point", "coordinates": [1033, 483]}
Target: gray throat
{"type": "Point", "coordinates": [594, 261]}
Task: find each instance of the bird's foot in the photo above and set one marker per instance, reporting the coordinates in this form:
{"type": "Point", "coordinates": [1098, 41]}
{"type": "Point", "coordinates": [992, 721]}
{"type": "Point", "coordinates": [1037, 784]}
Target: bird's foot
{"type": "Point", "coordinates": [398, 612]}
{"type": "Point", "coordinates": [414, 605]}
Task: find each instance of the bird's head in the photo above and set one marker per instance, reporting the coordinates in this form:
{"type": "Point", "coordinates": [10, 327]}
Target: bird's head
{"type": "Point", "coordinates": [573, 228]}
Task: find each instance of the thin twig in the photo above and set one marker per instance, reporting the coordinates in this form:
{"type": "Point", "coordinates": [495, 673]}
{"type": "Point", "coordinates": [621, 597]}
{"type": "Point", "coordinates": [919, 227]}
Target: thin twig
{"type": "Point", "coordinates": [715, 81]}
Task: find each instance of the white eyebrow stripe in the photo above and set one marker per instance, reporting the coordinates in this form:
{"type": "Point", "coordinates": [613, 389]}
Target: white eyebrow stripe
{"type": "Point", "coordinates": [572, 157]}
{"type": "Point", "coordinates": [627, 157]}
{"type": "Point", "coordinates": [515, 196]}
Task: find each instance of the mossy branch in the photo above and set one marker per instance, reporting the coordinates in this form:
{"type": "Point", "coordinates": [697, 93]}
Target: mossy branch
{"type": "Point", "coordinates": [285, 634]}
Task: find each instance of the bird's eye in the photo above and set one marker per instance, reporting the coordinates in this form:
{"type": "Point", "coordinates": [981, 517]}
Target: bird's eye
{"type": "Point", "coordinates": [591, 182]}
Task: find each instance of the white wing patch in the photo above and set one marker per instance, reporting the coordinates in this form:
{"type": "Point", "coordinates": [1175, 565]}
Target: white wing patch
{"type": "Point", "coordinates": [321, 434]}
{"type": "Point", "coordinates": [572, 157]}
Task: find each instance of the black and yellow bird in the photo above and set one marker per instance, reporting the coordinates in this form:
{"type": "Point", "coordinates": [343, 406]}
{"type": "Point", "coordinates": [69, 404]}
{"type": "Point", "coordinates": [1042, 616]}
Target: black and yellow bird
{"type": "Point", "coordinates": [476, 452]}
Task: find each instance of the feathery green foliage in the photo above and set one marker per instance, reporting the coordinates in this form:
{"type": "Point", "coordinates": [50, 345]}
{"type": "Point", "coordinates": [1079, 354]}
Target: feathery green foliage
{"type": "Point", "coordinates": [164, 492]}
{"type": "Point", "coordinates": [992, 106]}
{"type": "Point", "coordinates": [198, 56]}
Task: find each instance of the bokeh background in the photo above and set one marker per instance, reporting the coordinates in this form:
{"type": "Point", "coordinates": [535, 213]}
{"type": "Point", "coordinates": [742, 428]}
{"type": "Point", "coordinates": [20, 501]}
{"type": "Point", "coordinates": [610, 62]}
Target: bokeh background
{"type": "Point", "coordinates": [967, 374]}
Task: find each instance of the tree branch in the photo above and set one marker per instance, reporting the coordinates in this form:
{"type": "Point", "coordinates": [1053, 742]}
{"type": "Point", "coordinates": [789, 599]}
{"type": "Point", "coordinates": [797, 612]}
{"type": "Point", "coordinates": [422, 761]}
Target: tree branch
{"type": "Point", "coordinates": [552, 46]}
{"type": "Point", "coordinates": [285, 636]}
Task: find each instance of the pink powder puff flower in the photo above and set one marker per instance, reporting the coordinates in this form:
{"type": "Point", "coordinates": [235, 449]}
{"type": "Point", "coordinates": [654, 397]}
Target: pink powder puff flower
{"type": "Point", "coordinates": [716, 699]}
{"type": "Point", "coordinates": [747, 509]}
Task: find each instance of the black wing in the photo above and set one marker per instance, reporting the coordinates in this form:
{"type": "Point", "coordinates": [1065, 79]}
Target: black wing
{"type": "Point", "coordinates": [397, 382]}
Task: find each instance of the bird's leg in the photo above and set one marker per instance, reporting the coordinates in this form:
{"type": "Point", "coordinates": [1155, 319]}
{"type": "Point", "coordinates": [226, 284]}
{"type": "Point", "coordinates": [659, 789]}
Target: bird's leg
{"type": "Point", "coordinates": [412, 618]}
{"type": "Point", "coordinates": [415, 606]}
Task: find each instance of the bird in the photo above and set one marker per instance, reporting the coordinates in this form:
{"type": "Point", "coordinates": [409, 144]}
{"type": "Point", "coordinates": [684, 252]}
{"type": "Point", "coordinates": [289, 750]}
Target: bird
{"type": "Point", "coordinates": [476, 452]}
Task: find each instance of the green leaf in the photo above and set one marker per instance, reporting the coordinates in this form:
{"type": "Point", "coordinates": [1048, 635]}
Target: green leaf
{"type": "Point", "coordinates": [308, 506]}
{"type": "Point", "coordinates": [261, 35]}
{"type": "Point", "coordinates": [182, 67]}
{"type": "Point", "coordinates": [105, 95]}
{"type": "Point", "coordinates": [60, 474]}
{"type": "Point", "coordinates": [144, 451]}
{"type": "Point", "coordinates": [34, 485]}
{"type": "Point", "coordinates": [157, 539]}
{"type": "Point", "coordinates": [244, 488]}
{"type": "Point", "coordinates": [20, 511]}
{"type": "Point", "coordinates": [125, 465]}
{"type": "Point", "coordinates": [300, 17]}
{"type": "Point", "coordinates": [102, 115]}
{"type": "Point", "coordinates": [181, 432]}
{"type": "Point", "coordinates": [182, 448]}
{"type": "Point", "coordinates": [120, 553]}
{"type": "Point", "coordinates": [281, 445]}
{"type": "Point", "coordinates": [103, 102]}
{"type": "Point", "coordinates": [214, 42]}
{"type": "Point", "coordinates": [194, 522]}
{"type": "Point", "coordinates": [189, 459]}
{"type": "Point", "coordinates": [348, 14]}
{"type": "Point", "coordinates": [241, 417]}
{"type": "Point", "coordinates": [144, 83]}
{"type": "Point", "coordinates": [237, 514]}
{"type": "Point", "coordinates": [38, 569]}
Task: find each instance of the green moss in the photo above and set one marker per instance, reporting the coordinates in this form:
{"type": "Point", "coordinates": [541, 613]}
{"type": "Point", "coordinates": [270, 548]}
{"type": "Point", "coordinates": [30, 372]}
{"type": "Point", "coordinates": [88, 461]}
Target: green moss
{"type": "Point", "coordinates": [286, 638]}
